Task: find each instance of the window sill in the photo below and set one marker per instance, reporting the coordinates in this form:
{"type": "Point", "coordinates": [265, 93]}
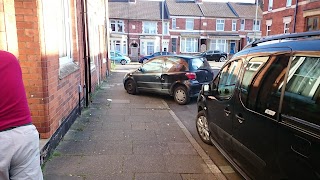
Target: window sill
{"type": "Point", "coordinates": [67, 69]}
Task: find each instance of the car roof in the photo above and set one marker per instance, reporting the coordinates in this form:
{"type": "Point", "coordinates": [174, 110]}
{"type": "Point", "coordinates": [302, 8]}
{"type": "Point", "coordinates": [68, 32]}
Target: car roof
{"type": "Point", "coordinates": [294, 45]}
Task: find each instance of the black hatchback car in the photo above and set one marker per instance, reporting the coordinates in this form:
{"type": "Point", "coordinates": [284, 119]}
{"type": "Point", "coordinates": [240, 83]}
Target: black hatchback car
{"type": "Point", "coordinates": [178, 76]}
{"type": "Point", "coordinates": [214, 55]}
{"type": "Point", "coordinates": [262, 110]}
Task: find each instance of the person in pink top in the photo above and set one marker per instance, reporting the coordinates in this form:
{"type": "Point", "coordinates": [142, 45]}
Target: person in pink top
{"type": "Point", "coordinates": [19, 138]}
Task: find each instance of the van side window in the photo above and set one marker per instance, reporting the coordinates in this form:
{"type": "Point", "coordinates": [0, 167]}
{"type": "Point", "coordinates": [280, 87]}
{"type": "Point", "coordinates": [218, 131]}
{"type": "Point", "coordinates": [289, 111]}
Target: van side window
{"type": "Point", "coordinates": [261, 81]}
{"type": "Point", "coordinates": [302, 92]}
{"type": "Point", "coordinates": [228, 79]}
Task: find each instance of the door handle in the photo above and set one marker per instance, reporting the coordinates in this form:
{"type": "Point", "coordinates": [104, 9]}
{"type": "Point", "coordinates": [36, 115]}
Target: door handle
{"type": "Point", "coordinates": [240, 118]}
{"type": "Point", "coordinates": [227, 111]}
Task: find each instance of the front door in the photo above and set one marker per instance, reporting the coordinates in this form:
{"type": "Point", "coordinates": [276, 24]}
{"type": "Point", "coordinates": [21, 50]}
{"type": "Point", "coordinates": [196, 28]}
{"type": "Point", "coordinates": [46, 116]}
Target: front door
{"type": "Point", "coordinates": [148, 78]}
{"type": "Point", "coordinates": [220, 104]}
{"type": "Point", "coordinates": [255, 121]}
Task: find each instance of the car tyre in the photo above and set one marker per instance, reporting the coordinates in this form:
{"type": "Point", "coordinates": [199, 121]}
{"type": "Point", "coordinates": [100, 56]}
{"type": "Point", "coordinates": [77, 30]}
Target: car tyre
{"type": "Point", "coordinates": [222, 58]}
{"type": "Point", "coordinates": [130, 86]}
{"type": "Point", "coordinates": [123, 62]}
{"type": "Point", "coordinates": [203, 127]}
{"type": "Point", "coordinates": [181, 95]}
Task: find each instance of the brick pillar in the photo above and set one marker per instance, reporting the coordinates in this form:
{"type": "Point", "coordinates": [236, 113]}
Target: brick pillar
{"type": "Point", "coordinates": [27, 22]}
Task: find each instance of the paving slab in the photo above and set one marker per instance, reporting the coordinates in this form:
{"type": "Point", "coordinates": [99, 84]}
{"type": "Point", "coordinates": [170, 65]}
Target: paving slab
{"type": "Point", "coordinates": [127, 137]}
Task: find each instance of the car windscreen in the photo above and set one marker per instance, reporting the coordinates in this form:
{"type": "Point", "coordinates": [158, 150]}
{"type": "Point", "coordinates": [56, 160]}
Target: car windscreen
{"type": "Point", "coordinates": [199, 63]}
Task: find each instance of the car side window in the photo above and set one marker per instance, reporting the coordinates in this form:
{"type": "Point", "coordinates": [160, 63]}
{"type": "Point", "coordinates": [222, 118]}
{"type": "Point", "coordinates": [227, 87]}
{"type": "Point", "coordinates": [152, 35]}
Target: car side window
{"type": "Point", "coordinates": [153, 66]}
{"type": "Point", "coordinates": [261, 81]}
{"type": "Point", "coordinates": [227, 79]}
{"type": "Point", "coordinates": [176, 65]}
{"type": "Point", "coordinates": [302, 91]}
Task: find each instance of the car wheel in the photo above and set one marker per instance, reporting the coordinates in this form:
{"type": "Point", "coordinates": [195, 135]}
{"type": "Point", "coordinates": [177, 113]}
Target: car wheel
{"type": "Point", "coordinates": [123, 62]}
{"type": "Point", "coordinates": [222, 58]}
{"type": "Point", "coordinates": [130, 86]}
{"type": "Point", "coordinates": [203, 127]}
{"type": "Point", "coordinates": [181, 95]}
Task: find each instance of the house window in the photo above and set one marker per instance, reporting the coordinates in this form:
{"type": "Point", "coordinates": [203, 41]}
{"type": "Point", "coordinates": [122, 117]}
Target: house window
{"type": "Point", "coordinates": [313, 23]}
{"type": "Point", "coordinates": [270, 5]}
{"type": "Point", "coordinates": [220, 25]}
{"type": "Point", "coordinates": [165, 29]}
{"type": "Point", "coordinates": [268, 30]}
{"type": "Point", "coordinates": [189, 45]}
{"type": "Point", "coordinates": [189, 24]}
{"type": "Point", "coordinates": [289, 3]}
{"type": "Point", "coordinates": [150, 27]}
{"type": "Point", "coordinates": [65, 42]}
{"type": "Point", "coordinates": [219, 44]}
{"type": "Point", "coordinates": [242, 25]}
{"type": "Point", "coordinates": [116, 26]}
{"type": "Point", "coordinates": [286, 28]}
{"type": "Point", "coordinates": [234, 25]}
{"type": "Point", "coordinates": [256, 25]}
{"type": "Point", "coordinates": [174, 23]}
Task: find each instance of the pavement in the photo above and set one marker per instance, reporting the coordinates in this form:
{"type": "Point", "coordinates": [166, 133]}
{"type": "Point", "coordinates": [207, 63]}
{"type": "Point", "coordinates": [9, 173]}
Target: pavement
{"type": "Point", "coordinates": [128, 137]}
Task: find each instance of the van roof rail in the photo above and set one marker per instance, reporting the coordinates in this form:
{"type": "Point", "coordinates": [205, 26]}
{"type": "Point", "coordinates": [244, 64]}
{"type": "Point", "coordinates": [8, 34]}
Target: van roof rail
{"type": "Point", "coordinates": [291, 36]}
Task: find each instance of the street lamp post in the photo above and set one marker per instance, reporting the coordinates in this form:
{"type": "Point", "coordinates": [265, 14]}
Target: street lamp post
{"type": "Point", "coordinates": [162, 9]}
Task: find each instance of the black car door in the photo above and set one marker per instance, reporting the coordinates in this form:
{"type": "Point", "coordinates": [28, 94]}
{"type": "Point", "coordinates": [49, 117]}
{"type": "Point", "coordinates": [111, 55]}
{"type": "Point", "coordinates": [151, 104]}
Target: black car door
{"type": "Point", "coordinates": [148, 78]}
{"type": "Point", "coordinates": [220, 104]}
{"type": "Point", "coordinates": [255, 116]}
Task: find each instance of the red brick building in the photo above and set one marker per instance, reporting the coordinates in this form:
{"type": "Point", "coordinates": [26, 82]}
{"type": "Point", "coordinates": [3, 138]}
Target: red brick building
{"type": "Point", "coordinates": [141, 27]}
{"type": "Point", "coordinates": [290, 16]}
{"type": "Point", "coordinates": [62, 52]}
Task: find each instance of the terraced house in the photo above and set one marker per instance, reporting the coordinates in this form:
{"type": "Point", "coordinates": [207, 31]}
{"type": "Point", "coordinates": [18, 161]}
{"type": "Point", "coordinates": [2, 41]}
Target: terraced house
{"type": "Point", "coordinates": [290, 16]}
{"type": "Point", "coordinates": [140, 27]}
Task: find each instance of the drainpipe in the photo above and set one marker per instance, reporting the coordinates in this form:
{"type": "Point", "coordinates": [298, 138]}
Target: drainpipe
{"type": "Point", "coordinates": [85, 54]}
{"type": "Point", "coordinates": [295, 17]}
{"type": "Point", "coordinates": [88, 40]}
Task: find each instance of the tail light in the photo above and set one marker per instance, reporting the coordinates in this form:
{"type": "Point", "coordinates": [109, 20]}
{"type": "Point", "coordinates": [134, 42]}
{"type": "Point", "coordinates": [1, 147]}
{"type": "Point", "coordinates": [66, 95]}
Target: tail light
{"type": "Point", "coordinates": [191, 76]}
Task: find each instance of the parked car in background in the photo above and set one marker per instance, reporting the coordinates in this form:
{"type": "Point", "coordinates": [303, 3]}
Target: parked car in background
{"type": "Point", "coordinates": [262, 109]}
{"type": "Point", "coordinates": [214, 55]}
{"type": "Point", "coordinates": [117, 57]}
{"type": "Point", "coordinates": [175, 75]}
{"type": "Point", "coordinates": [144, 59]}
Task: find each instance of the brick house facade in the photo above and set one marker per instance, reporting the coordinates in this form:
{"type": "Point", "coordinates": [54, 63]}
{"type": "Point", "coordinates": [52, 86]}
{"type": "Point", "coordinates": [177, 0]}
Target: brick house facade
{"type": "Point", "coordinates": [285, 16]}
{"type": "Point", "coordinates": [177, 37]}
{"type": "Point", "coordinates": [62, 54]}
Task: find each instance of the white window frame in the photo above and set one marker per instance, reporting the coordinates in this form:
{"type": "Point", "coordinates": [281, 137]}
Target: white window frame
{"type": "Point", "coordinates": [189, 45]}
{"type": "Point", "coordinates": [286, 27]}
{"type": "Point", "coordinates": [234, 25]}
{"type": "Point", "coordinates": [174, 23]}
{"type": "Point", "coordinates": [116, 24]}
{"type": "Point", "coordinates": [219, 24]}
{"type": "Point", "coordinates": [219, 44]}
{"type": "Point", "coordinates": [149, 27]}
{"type": "Point", "coordinates": [268, 30]}
{"type": "Point", "coordinates": [165, 29]}
{"type": "Point", "coordinates": [242, 24]}
{"type": "Point", "coordinates": [270, 5]}
{"type": "Point", "coordinates": [289, 3]}
{"type": "Point", "coordinates": [256, 25]}
{"type": "Point", "coordinates": [65, 34]}
{"type": "Point", "coordinates": [189, 24]}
